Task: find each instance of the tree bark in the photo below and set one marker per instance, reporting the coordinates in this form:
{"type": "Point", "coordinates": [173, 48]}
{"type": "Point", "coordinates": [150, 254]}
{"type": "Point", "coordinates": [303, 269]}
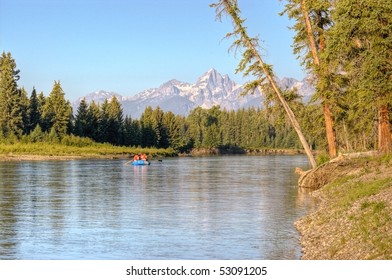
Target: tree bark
{"type": "Point", "coordinates": [309, 30]}
{"type": "Point", "coordinates": [329, 124]}
{"type": "Point", "coordinates": [286, 107]}
{"type": "Point", "coordinates": [384, 130]}
{"type": "Point", "coordinates": [329, 131]}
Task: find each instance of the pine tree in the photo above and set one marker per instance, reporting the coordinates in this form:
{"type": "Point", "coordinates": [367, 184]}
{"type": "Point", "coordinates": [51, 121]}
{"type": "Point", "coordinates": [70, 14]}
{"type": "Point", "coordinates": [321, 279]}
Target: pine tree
{"type": "Point", "coordinates": [160, 129]}
{"type": "Point", "coordinates": [173, 125]}
{"type": "Point", "coordinates": [132, 132]}
{"type": "Point", "coordinates": [34, 113]}
{"type": "Point", "coordinates": [37, 134]}
{"type": "Point", "coordinates": [361, 43]}
{"type": "Point", "coordinates": [57, 111]}
{"type": "Point", "coordinates": [115, 122]}
{"type": "Point", "coordinates": [195, 119]}
{"type": "Point", "coordinates": [147, 129]}
{"type": "Point", "coordinates": [41, 107]}
{"type": "Point", "coordinates": [11, 100]}
{"type": "Point", "coordinates": [312, 22]}
{"type": "Point", "coordinates": [82, 120]}
{"type": "Point", "coordinates": [211, 132]}
{"type": "Point", "coordinates": [103, 126]}
{"type": "Point", "coordinates": [94, 113]}
{"type": "Point", "coordinates": [24, 106]}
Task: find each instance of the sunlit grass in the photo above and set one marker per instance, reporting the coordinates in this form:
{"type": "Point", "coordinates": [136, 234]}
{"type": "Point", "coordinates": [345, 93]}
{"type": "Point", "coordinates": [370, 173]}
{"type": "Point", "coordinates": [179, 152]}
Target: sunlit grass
{"type": "Point", "coordinates": [356, 216]}
{"type": "Point", "coordinates": [91, 150]}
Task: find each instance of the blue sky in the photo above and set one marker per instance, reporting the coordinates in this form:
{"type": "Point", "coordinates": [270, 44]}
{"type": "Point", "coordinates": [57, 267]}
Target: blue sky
{"type": "Point", "coordinates": [127, 46]}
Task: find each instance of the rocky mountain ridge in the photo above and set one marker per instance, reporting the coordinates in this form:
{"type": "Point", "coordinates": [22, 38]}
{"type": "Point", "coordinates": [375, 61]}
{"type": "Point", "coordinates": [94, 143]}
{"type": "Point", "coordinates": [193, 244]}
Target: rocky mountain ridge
{"type": "Point", "coordinates": [210, 89]}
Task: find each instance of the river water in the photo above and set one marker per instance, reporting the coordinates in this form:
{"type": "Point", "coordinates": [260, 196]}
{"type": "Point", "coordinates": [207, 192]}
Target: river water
{"type": "Point", "coordinates": [229, 207]}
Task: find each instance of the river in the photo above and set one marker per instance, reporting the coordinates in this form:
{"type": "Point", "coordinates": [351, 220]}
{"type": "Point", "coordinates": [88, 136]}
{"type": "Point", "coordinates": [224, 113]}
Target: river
{"type": "Point", "coordinates": [223, 207]}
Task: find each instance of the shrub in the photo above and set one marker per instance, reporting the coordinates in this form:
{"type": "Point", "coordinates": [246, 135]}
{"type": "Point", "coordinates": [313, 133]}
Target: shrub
{"type": "Point", "coordinates": [37, 135]}
{"type": "Point", "coordinates": [322, 158]}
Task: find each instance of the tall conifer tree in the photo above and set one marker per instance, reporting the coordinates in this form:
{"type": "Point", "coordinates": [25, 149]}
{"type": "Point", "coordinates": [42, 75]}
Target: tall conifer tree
{"type": "Point", "coordinates": [34, 111]}
{"type": "Point", "coordinates": [11, 101]}
{"type": "Point", "coordinates": [95, 114]}
{"type": "Point", "coordinates": [361, 43]}
{"type": "Point", "coordinates": [312, 22]}
{"type": "Point", "coordinates": [147, 128]}
{"type": "Point", "coordinates": [115, 122]}
{"type": "Point", "coordinates": [57, 111]}
{"type": "Point", "coordinates": [104, 122]}
{"type": "Point", "coordinates": [24, 105]}
{"type": "Point", "coordinates": [82, 120]}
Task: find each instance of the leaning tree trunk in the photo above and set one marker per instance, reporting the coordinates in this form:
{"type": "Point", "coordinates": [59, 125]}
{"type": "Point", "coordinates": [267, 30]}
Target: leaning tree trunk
{"type": "Point", "coordinates": [247, 41]}
{"type": "Point", "coordinates": [384, 130]}
{"type": "Point", "coordinates": [286, 107]}
{"type": "Point", "coordinates": [329, 124]}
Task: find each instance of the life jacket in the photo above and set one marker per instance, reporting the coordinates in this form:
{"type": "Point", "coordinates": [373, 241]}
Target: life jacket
{"type": "Point", "coordinates": [136, 157]}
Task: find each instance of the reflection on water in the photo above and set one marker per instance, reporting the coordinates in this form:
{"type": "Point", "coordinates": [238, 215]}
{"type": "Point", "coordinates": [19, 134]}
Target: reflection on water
{"type": "Point", "coordinates": [233, 207]}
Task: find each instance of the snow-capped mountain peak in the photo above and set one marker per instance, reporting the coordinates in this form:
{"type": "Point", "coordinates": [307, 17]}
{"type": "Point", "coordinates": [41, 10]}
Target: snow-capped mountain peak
{"type": "Point", "coordinates": [210, 89]}
{"type": "Point", "coordinates": [100, 96]}
{"type": "Point", "coordinates": [213, 79]}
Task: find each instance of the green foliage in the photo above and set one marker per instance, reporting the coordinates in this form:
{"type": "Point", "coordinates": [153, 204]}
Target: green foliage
{"type": "Point", "coordinates": [12, 101]}
{"type": "Point", "coordinates": [77, 147]}
{"type": "Point", "coordinates": [53, 136]}
{"type": "Point", "coordinates": [57, 111]}
{"type": "Point", "coordinates": [37, 135]}
{"type": "Point", "coordinates": [132, 132]}
{"type": "Point", "coordinates": [34, 112]}
{"type": "Point", "coordinates": [322, 158]}
{"type": "Point", "coordinates": [360, 51]}
{"type": "Point", "coordinates": [147, 128]}
{"type": "Point", "coordinates": [354, 46]}
{"type": "Point", "coordinates": [95, 114]}
{"type": "Point", "coordinates": [114, 116]}
{"type": "Point", "coordinates": [83, 120]}
{"type": "Point", "coordinates": [76, 141]}
{"type": "Point", "coordinates": [319, 14]}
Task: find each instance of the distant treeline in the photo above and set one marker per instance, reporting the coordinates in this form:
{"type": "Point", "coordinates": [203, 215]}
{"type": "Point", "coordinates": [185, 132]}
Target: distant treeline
{"type": "Point", "coordinates": [37, 118]}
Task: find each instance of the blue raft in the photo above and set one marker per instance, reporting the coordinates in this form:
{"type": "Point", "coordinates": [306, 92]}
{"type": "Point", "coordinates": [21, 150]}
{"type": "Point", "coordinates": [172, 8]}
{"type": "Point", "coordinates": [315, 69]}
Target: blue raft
{"type": "Point", "coordinates": [140, 162]}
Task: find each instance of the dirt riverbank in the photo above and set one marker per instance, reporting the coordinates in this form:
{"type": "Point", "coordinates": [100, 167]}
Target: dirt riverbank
{"type": "Point", "coordinates": [354, 219]}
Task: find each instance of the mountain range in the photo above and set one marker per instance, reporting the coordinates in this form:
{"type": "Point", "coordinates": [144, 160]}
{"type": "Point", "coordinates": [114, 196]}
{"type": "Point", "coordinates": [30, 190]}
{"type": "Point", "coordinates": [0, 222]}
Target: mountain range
{"type": "Point", "coordinates": [210, 89]}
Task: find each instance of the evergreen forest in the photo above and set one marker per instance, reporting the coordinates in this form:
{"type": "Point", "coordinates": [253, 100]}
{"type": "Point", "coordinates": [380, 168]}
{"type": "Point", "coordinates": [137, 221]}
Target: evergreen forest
{"type": "Point", "coordinates": [38, 118]}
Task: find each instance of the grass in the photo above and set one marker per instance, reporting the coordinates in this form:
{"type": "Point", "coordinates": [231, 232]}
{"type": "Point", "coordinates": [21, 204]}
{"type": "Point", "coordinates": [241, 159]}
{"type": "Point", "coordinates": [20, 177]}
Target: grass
{"type": "Point", "coordinates": [92, 150]}
{"type": "Point", "coordinates": [369, 225]}
{"type": "Point", "coordinates": [355, 219]}
{"type": "Point", "coordinates": [356, 190]}
{"type": "Point", "coordinates": [369, 221]}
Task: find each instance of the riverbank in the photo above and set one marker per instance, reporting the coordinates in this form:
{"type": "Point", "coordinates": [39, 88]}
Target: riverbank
{"type": "Point", "coordinates": [57, 151]}
{"type": "Point", "coordinates": [354, 219]}
{"type": "Point", "coordinates": [241, 151]}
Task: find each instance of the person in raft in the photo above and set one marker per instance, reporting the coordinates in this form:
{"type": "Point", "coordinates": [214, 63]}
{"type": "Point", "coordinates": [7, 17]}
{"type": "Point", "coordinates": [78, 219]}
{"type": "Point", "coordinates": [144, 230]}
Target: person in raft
{"type": "Point", "coordinates": [136, 157]}
{"type": "Point", "coordinates": [143, 157]}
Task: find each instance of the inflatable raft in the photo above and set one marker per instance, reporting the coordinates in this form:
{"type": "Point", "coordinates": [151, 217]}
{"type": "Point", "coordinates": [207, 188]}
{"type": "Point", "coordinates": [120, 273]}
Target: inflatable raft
{"type": "Point", "coordinates": [140, 162]}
